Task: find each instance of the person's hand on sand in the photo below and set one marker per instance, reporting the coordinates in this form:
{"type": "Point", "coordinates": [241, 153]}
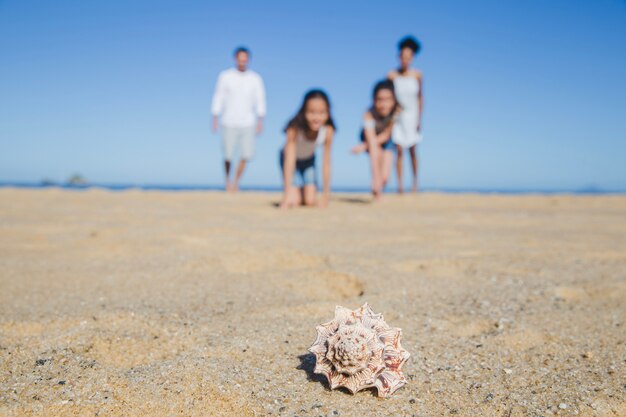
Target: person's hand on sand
{"type": "Point", "coordinates": [376, 188]}
{"type": "Point", "coordinates": [360, 148]}
{"type": "Point", "coordinates": [377, 195]}
{"type": "Point", "coordinates": [287, 203]}
{"type": "Point", "coordinates": [323, 202]}
{"type": "Point", "coordinates": [284, 205]}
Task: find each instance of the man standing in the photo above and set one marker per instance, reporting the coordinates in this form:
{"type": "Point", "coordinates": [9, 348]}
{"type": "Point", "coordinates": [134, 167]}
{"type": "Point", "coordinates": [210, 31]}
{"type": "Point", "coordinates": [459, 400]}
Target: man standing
{"type": "Point", "coordinates": [240, 101]}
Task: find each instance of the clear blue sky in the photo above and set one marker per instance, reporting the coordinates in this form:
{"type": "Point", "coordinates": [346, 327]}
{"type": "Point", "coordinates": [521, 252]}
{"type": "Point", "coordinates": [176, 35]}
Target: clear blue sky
{"type": "Point", "coordinates": [518, 94]}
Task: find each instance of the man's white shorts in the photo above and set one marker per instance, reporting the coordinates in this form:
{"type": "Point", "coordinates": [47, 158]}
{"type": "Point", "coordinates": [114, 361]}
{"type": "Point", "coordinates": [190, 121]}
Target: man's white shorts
{"type": "Point", "coordinates": [238, 139]}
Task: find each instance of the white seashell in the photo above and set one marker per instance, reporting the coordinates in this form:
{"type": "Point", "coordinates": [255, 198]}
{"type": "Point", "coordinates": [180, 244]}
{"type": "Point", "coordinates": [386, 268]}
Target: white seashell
{"type": "Point", "coordinates": [358, 350]}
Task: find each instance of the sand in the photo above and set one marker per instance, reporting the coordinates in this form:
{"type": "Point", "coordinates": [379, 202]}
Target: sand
{"type": "Point", "coordinates": [199, 303]}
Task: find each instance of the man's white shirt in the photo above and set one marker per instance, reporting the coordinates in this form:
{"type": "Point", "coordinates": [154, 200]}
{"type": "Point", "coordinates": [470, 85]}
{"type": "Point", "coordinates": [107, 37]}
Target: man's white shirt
{"type": "Point", "coordinates": [239, 98]}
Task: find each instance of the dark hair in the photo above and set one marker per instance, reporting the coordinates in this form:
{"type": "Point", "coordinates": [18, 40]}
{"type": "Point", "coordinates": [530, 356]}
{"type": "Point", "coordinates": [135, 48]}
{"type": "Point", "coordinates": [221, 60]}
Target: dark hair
{"type": "Point", "coordinates": [411, 43]}
{"type": "Point", "coordinates": [299, 120]}
{"type": "Point", "coordinates": [241, 49]}
{"type": "Point", "coordinates": [384, 85]}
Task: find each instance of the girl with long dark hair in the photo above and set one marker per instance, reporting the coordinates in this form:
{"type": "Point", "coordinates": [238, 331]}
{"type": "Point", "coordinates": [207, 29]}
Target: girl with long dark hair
{"type": "Point", "coordinates": [378, 123]}
{"type": "Point", "coordinates": [310, 128]}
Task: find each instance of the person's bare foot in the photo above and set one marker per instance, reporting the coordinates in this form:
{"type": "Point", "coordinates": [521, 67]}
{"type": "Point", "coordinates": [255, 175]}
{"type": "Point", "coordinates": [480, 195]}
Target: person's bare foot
{"type": "Point", "coordinates": [230, 187]}
{"type": "Point", "coordinates": [414, 188]}
{"type": "Point", "coordinates": [400, 189]}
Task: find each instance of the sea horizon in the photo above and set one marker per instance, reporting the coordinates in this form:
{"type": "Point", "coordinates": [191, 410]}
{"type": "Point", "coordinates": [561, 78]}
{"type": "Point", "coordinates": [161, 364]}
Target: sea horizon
{"type": "Point", "coordinates": [586, 190]}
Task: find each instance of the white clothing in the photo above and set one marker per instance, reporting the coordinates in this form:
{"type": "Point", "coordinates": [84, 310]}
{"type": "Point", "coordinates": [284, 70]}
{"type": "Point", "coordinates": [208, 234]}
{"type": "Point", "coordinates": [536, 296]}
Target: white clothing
{"type": "Point", "coordinates": [305, 148]}
{"type": "Point", "coordinates": [239, 139]}
{"type": "Point", "coordinates": [369, 124]}
{"type": "Point", "coordinates": [404, 132]}
{"type": "Point", "coordinates": [239, 98]}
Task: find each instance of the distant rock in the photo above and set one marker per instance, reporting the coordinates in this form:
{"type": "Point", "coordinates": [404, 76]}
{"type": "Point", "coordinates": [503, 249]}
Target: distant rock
{"type": "Point", "coordinates": [76, 179]}
{"type": "Point", "coordinates": [47, 182]}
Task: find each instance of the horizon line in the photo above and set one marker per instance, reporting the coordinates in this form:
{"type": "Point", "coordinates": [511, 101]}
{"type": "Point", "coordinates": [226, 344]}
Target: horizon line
{"type": "Point", "coordinates": [113, 186]}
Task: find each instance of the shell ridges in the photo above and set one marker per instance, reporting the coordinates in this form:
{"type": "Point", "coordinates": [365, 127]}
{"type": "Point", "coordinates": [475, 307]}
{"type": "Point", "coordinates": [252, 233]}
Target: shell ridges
{"type": "Point", "coordinates": [358, 350]}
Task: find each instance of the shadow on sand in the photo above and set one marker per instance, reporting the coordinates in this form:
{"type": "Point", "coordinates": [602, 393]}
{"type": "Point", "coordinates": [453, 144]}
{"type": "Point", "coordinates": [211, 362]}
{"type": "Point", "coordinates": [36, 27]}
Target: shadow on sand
{"type": "Point", "coordinates": [354, 200]}
{"type": "Point", "coordinates": [307, 364]}
{"type": "Point", "coordinates": [349, 200]}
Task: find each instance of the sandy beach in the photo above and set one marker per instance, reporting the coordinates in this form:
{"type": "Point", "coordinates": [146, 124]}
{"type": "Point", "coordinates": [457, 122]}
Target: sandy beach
{"type": "Point", "coordinates": [203, 303]}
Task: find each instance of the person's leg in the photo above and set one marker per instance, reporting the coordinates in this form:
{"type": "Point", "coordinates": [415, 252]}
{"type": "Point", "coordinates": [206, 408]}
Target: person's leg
{"type": "Point", "coordinates": [228, 148]}
{"type": "Point", "coordinates": [399, 168]}
{"type": "Point", "coordinates": [227, 175]}
{"type": "Point", "coordinates": [309, 181]}
{"type": "Point", "coordinates": [413, 153]}
{"type": "Point", "coordinates": [309, 193]}
{"type": "Point", "coordinates": [293, 193]}
{"type": "Point", "coordinates": [246, 146]}
{"type": "Point", "coordinates": [240, 168]}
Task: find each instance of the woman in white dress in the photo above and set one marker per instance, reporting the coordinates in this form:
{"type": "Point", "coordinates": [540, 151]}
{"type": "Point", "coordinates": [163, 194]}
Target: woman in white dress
{"type": "Point", "coordinates": [406, 133]}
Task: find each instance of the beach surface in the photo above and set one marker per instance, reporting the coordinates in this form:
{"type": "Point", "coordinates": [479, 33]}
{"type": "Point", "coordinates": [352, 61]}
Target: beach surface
{"type": "Point", "coordinates": [203, 303]}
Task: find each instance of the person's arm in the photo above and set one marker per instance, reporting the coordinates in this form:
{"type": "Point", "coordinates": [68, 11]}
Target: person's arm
{"type": "Point", "coordinates": [289, 166]}
{"type": "Point", "coordinates": [381, 138]}
{"type": "Point", "coordinates": [218, 102]}
{"type": "Point", "coordinates": [420, 101]}
{"type": "Point", "coordinates": [369, 130]}
{"type": "Point", "coordinates": [259, 125]}
{"type": "Point", "coordinates": [330, 132]}
{"type": "Point", "coordinates": [385, 135]}
{"type": "Point", "coordinates": [260, 105]}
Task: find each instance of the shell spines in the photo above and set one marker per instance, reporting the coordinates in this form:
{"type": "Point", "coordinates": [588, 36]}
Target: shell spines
{"type": "Point", "coordinates": [358, 350]}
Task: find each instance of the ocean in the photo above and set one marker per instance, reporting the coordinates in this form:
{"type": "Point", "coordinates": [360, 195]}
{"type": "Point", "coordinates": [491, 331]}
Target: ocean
{"type": "Point", "coordinates": [338, 189]}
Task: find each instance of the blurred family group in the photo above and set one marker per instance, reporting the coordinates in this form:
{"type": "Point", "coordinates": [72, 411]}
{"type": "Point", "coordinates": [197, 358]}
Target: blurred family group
{"type": "Point", "coordinates": [392, 124]}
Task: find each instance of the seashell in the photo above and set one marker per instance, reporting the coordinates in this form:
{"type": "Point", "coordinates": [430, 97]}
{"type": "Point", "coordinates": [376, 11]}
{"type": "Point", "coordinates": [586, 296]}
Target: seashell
{"type": "Point", "coordinates": [358, 350]}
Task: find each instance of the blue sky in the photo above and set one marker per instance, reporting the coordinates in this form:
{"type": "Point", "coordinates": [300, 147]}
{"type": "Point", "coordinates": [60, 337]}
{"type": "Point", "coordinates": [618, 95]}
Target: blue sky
{"type": "Point", "coordinates": [517, 94]}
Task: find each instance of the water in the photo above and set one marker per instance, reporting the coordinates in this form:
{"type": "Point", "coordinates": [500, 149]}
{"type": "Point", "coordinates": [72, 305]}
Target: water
{"type": "Point", "coordinates": [276, 189]}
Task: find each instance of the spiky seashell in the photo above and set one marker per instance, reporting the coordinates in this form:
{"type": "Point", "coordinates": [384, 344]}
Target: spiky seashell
{"type": "Point", "coordinates": [358, 350]}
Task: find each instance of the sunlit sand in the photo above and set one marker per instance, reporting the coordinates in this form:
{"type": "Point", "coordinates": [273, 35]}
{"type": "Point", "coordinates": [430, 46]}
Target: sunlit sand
{"type": "Point", "coordinates": [204, 303]}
